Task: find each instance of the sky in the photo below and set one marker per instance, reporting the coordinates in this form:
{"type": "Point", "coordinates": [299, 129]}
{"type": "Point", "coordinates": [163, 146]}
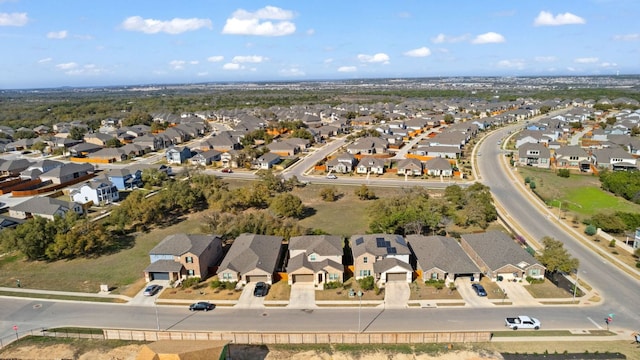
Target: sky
{"type": "Point", "coordinates": [54, 43]}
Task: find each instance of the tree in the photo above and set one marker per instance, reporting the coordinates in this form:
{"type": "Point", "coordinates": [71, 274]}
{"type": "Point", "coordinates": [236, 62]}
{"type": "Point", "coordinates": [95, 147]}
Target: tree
{"type": "Point", "coordinates": [34, 236]}
{"type": "Point", "coordinates": [39, 146]}
{"type": "Point", "coordinates": [610, 223]}
{"type": "Point", "coordinates": [302, 134]}
{"type": "Point", "coordinates": [329, 194]}
{"type": "Point", "coordinates": [448, 118]}
{"type": "Point", "coordinates": [556, 258]}
{"type": "Point", "coordinates": [137, 118]}
{"type": "Point", "coordinates": [287, 205]}
{"type": "Point", "coordinates": [275, 183]}
{"type": "Point", "coordinates": [153, 177]}
{"type": "Point", "coordinates": [77, 133]}
{"type": "Point", "coordinates": [113, 143]}
{"type": "Point", "coordinates": [364, 193]}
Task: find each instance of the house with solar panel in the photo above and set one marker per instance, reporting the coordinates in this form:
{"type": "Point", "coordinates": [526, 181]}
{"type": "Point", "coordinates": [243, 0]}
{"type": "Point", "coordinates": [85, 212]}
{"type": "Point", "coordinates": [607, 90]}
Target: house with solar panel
{"type": "Point", "coordinates": [386, 257]}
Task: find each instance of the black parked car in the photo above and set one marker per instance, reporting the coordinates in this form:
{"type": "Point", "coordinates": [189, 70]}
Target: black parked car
{"type": "Point", "coordinates": [261, 289]}
{"type": "Point", "coordinates": [201, 306]}
{"type": "Point", "coordinates": [479, 289]}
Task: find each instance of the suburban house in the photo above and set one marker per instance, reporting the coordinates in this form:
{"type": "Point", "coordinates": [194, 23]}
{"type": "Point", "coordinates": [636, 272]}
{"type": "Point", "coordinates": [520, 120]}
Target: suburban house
{"type": "Point", "coordinates": [438, 167]}
{"type": "Point", "coordinates": [14, 167]}
{"type": "Point", "coordinates": [386, 257]}
{"type": "Point", "coordinates": [267, 161]}
{"type": "Point", "coordinates": [534, 154]}
{"type": "Point", "coordinates": [370, 165]}
{"type": "Point", "coordinates": [177, 155]}
{"type": "Point", "coordinates": [125, 179]}
{"type": "Point", "coordinates": [498, 256]}
{"type": "Point", "coordinates": [613, 159]}
{"type": "Point", "coordinates": [411, 167]}
{"type": "Point", "coordinates": [67, 172]}
{"type": "Point", "coordinates": [315, 259]}
{"type": "Point", "coordinates": [368, 146]}
{"type": "Point", "coordinates": [205, 158]}
{"type": "Point", "coordinates": [179, 256]}
{"type": "Point", "coordinates": [447, 152]}
{"type": "Point", "coordinates": [441, 258]}
{"type": "Point", "coordinates": [283, 148]}
{"type": "Point", "coordinates": [100, 191]}
{"type": "Point", "coordinates": [572, 157]}
{"type": "Point", "coordinates": [251, 258]}
{"type": "Point", "coordinates": [45, 207]}
{"type": "Point", "coordinates": [342, 164]}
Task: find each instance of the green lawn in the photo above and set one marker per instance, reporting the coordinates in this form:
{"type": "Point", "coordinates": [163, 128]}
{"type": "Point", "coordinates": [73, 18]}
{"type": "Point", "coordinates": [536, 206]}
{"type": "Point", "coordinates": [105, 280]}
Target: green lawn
{"type": "Point", "coordinates": [580, 193]}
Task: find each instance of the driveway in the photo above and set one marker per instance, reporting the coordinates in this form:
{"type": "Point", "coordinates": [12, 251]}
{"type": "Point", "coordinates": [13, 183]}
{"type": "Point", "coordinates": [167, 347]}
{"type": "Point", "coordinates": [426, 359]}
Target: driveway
{"type": "Point", "coordinates": [463, 286]}
{"type": "Point", "coordinates": [517, 294]}
{"type": "Point", "coordinates": [247, 300]}
{"type": "Point", "coordinates": [141, 300]}
{"type": "Point", "coordinates": [396, 294]}
{"type": "Point", "coordinates": [303, 296]}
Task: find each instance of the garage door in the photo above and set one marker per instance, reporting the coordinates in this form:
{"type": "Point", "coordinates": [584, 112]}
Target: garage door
{"type": "Point", "coordinates": [396, 276]}
{"type": "Point", "coordinates": [159, 276]}
{"type": "Point", "coordinates": [308, 278]}
{"type": "Point", "coordinates": [256, 278]}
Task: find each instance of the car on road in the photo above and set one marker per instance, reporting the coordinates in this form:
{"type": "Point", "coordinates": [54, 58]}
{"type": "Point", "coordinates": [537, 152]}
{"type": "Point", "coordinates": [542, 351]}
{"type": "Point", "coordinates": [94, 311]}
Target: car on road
{"type": "Point", "coordinates": [151, 290]}
{"type": "Point", "coordinates": [331, 176]}
{"type": "Point", "coordinates": [479, 289]}
{"type": "Point", "coordinates": [227, 170]}
{"type": "Point", "coordinates": [522, 322]}
{"type": "Point", "coordinates": [261, 289]}
{"type": "Point", "coordinates": [201, 306]}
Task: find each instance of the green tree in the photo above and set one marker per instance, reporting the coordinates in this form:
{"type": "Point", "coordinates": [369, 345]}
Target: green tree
{"type": "Point", "coordinates": [329, 194]}
{"type": "Point", "coordinates": [153, 177]}
{"type": "Point", "coordinates": [113, 143]}
{"type": "Point", "coordinates": [302, 134]}
{"type": "Point", "coordinates": [610, 223]}
{"type": "Point", "coordinates": [448, 118]}
{"type": "Point", "coordinates": [77, 133]}
{"type": "Point", "coordinates": [556, 258]}
{"type": "Point", "coordinates": [287, 205]}
{"type": "Point", "coordinates": [24, 134]}
{"type": "Point", "coordinates": [275, 183]}
{"type": "Point", "coordinates": [137, 118]}
{"type": "Point", "coordinates": [365, 193]}
{"type": "Point", "coordinates": [34, 236]}
{"type": "Point", "coordinates": [39, 146]}
{"type": "Point", "coordinates": [367, 283]}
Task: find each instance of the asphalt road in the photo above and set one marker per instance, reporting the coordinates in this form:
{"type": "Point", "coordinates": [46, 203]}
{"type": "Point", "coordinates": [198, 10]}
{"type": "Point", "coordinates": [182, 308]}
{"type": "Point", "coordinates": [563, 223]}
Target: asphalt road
{"type": "Point", "coordinates": [620, 291]}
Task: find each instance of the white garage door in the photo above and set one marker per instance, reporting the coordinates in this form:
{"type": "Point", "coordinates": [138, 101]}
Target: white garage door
{"type": "Point", "coordinates": [396, 276]}
{"type": "Point", "coordinates": [307, 278]}
{"type": "Point", "coordinates": [256, 278]}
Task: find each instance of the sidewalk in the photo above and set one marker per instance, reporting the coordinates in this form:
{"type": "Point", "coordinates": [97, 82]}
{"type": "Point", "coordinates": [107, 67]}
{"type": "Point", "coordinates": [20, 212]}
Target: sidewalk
{"type": "Point", "coordinates": [65, 293]}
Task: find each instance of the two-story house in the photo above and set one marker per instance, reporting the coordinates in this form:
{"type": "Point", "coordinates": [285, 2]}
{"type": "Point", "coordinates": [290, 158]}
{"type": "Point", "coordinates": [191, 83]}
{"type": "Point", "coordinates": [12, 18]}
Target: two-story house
{"type": "Point", "coordinates": [177, 155]}
{"type": "Point", "coordinates": [534, 154]}
{"type": "Point", "coordinates": [386, 257]}
{"type": "Point", "coordinates": [99, 191]}
{"type": "Point", "coordinates": [315, 259]}
{"type": "Point", "coordinates": [572, 157]}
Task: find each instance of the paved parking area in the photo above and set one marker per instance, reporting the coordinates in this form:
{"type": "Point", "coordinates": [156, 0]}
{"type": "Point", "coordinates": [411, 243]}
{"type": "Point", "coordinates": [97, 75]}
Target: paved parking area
{"type": "Point", "coordinates": [463, 286]}
{"type": "Point", "coordinates": [517, 294]}
{"type": "Point", "coordinates": [247, 300]}
{"type": "Point", "coordinates": [396, 294]}
{"type": "Point", "coordinates": [303, 296]}
{"type": "Point", "coordinates": [141, 300]}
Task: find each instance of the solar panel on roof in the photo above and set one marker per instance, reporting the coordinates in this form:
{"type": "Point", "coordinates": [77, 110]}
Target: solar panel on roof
{"type": "Point", "coordinates": [392, 250]}
{"type": "Point", "coordinates": [359, 241]}
{"type": "Point", "coordinates": [400, 240]}
{"type": "Point", "coordinates": [380, 242]}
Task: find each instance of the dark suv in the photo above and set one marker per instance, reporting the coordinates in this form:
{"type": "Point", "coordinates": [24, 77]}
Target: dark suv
{"type": "Point", "coordinates": [479, 289]}
{"type": "Point", "coordinates": [261, 289]}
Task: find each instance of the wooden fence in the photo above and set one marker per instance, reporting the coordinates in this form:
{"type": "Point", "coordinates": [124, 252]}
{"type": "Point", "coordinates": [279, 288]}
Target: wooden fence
{"type": "Point", "coordinates": [304, 338]}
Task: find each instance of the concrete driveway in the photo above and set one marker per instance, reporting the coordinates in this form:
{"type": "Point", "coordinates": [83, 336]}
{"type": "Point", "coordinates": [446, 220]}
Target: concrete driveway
{"type": "Point", "coordinates": [141, 300]}
{"type": "Point", "coordinates": [247, 300]}
{"type": "Point", "coordinates": [463, 286]}
{"type": "Point", "coordinates": [396, 294]}
{"type": "Point", "coordinates": [303, 296]}
{"type": "Point", "coordinates": [517, 294]}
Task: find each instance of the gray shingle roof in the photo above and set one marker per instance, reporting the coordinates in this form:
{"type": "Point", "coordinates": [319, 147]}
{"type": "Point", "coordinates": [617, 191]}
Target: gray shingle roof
{"type": "Point", "coordinates": [179, 244]}
{"type": "Point", "coordinates": [251, 251]}
{"type": "Point", "coordinates": [387, 264]}
{"type": "Point", "coordinates": [302, 261]}
{"type": "Point", "coordinates": [378, 244]}
{"type": "Point", "coordinates": [441, 252]}
{"type": "Point", "coordinates": [164, 266]}
{"type": "Point", "coordinates": [43, 205]}
{"type": "Point", "coordinates": [498, 249]}
{"type": "Point", "coordinates": [325, 245]}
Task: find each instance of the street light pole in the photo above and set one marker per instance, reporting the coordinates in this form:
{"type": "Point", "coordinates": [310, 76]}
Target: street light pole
{"type": "Point", "coordinates": [575, 286]}
{"type": "Point", "coordinates": [155, 306]}
{"type": "Point", "coordinates": [359, 309]}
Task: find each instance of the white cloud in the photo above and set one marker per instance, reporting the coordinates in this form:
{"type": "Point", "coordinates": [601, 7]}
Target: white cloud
{"type": "Point", "coordinates": [177, 64]}
{"type": "Point", "coordinates": [174, 26]}
{"type": "Point", "coordinates": [243, 22]}
{"type": "Point", "coordinates": [419, 52]}
{"type": "Point", "coordinates": [546, 18]}
{"type": "Point", "coordinates": [216, 58]}
{"type": "Point", "coordinates": [377, 58]}
{"type": "Point", "coordinates": [488, 38]}
{"type": "Point", "coordinates": [232, 66]}
{"type": "Point", "coordinates": [590, 60]}
{"type": "Point", "coordinates": [544, 59]}
{"type": "Point", "coordinates": [311, 32]}
{"type": "Point", "coordinates": [67, 66]}
{"type": "Point", "coordinates": [627, 37]}
{"type": "Point", "coordinates": [13, 19]}
{"type": "Point", "coordinates": [57, 34]}
{"type": "Point", "coordinates": [608, 64]}
{"type": "Point", "coordinates": [88, 69]}
{"type": "Point", "coordinates": [194, 62]}
{"type": "Point", "coordinates": [45, 60]}
{"type": "Point", "coordinates": [327, 61]}
{"type": "Point", "coordinates": [442, 38]}
{"type": "Point", "coordinates": [347, 69]}
{"type": "Point", "coordinates": [204, 73]}
{"type": "Point", "coordinates": [512, 64]}
{"type": "Point", "coordinates": [249, 59]}
{"type": "Point", "coordinates": [292, 72]}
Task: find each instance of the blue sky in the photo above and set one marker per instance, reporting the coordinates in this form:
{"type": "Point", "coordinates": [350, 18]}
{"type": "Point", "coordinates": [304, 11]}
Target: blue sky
{"type": "Point", "coordinates": [47, 43]}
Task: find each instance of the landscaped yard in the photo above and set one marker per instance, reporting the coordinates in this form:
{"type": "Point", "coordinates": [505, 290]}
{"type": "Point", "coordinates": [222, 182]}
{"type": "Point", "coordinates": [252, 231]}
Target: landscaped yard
{"type": "Point", "coordinates": [421, 291]}
{"type": "Point", "coordinates": [342, 293]}
{"type": "Point", "coordinates": [546, 290]}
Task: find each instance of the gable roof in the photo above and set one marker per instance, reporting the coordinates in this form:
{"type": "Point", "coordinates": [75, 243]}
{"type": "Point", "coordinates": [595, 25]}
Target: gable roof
{"type": "Point", "coordinates": [498, 249]}
{"type": "Point", "coordinates": [441, 252]}
{"type": "Point", "coordinates": [180, 244]}
{"type": "Point", "coordinates": [325, 245]}
{"type": "Point", "coordinates": [379, 245]}
{"type": "Point", "coordinates": [251, 251]}
{"type": "Point", "coordinates": [43, 205]}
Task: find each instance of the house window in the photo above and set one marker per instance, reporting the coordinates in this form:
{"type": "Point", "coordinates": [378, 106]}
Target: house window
{"type": "Point", "coordinates": [333, 277]}
{"type": "Point", "coordinates": [191, 272]}
{"type": "Point", "coordinates": [534, 272]}
{"type": "Point", "coordinates": [189, 259]}
{"type": "Point", "coordinates": [364, 273]}
{"type": "Point", "coordinates": [226, 276]}
{"type": "Point", "coordinates": [312, 257]}
{"type": "Point", "coordinates": [365, 259]}
{"type": "Point", "coordinates": [434, 276]}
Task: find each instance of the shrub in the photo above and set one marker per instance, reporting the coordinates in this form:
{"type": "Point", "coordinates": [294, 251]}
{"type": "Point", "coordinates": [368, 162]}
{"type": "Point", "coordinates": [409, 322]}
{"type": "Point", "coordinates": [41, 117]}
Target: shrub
{"type": "Point", "coordinates": [189, 282]}
{"type": "Point", "coordinates": [532, 281]}
{"type": "Point", "coordinates": [432, 282]}
{"type": "Point", "coordinates": [366, 283]}
{"type": "Point", "coordinates": [332, 285]}
{"type": "Point", "coordinates": [230, 285]}
{"type": "Point", "coordinates": [612, 243]}
{"type": "Point", "coordinates": [215, 284]}
{"type": "Point", "coordinates": [638, 264]}
{"type": "Point", "coordinates": [590, 230]}
{"type": "Point", "coordinates": [527, 180]}
{"type": "Point", "coordinates": [564, 173]}
{"type": "Point", "coordinates": [532, 185]}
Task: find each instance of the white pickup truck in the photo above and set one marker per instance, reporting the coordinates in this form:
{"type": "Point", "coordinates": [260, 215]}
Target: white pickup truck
{"type": "Point", "coordinates": [522, 322]}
